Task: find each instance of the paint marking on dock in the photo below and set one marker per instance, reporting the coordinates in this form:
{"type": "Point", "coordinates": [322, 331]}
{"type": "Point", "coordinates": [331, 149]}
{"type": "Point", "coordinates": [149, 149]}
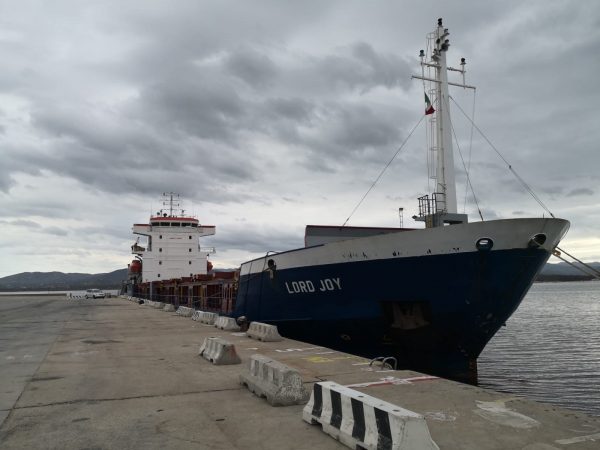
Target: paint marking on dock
{"type": "Point", "coordinates": [575, 440]}
{"type": "Point", "coordinates": [286, 350]}
{"type": "Point", "coordinates": [499, 413]}
{"type": "Point", "coordinates": [391, 381]}
{"type": "Point", "coordinates": [321, 359]}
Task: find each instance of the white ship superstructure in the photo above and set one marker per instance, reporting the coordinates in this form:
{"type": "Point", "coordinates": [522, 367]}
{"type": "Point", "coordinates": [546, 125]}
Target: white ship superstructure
{"type": "Point", "coordinates": [172, 248]}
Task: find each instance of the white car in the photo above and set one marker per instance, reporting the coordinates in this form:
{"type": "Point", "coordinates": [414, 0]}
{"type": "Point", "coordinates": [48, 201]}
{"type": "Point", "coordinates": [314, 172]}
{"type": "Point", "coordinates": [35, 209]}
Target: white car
{"type": "Point", "coordinates": [94, 293]}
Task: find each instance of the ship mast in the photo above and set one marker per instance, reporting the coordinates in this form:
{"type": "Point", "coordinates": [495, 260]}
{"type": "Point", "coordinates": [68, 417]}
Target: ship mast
{"type": "Point", "coordinates": [445, 163]}
{"type": "Point", "coordinates": [171, 199]}
{"type": "Point", "coordinates": [441, 207]}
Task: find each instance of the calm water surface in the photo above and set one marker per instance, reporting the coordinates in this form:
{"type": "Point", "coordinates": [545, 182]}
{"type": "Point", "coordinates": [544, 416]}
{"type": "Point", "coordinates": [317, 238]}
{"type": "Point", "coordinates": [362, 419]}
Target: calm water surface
{"type": "Point", "coordinates": [550, 348]}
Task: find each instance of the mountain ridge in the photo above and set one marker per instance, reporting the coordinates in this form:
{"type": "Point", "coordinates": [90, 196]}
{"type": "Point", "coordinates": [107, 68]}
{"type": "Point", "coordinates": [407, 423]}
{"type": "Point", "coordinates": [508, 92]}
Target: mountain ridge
{"type": "Point", "coordinates": [59, 281]}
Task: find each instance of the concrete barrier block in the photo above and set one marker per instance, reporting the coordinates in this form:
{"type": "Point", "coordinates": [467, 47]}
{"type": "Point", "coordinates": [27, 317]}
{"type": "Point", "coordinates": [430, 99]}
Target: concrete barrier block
{"type": "Point", "coordinates": [196, 315]}
{"type": "Point", "coordinates": [219, 352]}
{"type": "Point", "coordinates": [208, 318]}
{"type": "Point", "coordinates": [227, 323]}
{"type": "Point", "coordinates": [358, 420]}
{"type": "Point", "coordinates": [279, 384]}
{"type": "Point", "coordinates": [184, 311]}
{"type": "Point", "coordinates": [169, 308]}
{"type": "Point", "coordinates": [263, 332]}
{"type": "Point", "coordinates": [159, 305]}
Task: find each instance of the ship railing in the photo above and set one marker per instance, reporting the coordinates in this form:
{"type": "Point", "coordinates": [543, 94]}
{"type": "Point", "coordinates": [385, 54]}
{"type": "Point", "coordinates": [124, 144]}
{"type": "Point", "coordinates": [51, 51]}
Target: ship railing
{"type": "Point", "coordinates": [218, 302]}
{"type": "Point", "coordinates": [214, 303]}
{"type": "Point", "coordinates": [431, 205]}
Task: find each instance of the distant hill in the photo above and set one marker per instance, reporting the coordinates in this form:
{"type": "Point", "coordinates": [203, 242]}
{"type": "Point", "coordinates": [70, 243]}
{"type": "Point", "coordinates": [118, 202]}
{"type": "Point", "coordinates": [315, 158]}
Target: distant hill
{"type": "Point", "coordinates": [564, 272]}
{"type": "Point", "coordinates": [58, 281]}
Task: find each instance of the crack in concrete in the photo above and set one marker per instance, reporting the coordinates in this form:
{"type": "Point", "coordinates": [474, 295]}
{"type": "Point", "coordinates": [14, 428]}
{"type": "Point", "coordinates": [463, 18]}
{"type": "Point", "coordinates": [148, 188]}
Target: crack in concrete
{"type": "Point", "coordinates": [116, 399]}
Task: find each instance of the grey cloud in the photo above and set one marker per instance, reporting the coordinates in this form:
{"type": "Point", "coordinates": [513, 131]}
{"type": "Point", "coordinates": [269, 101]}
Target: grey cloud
{"type": "Point", "coordinates": [196, 104]}
{"type": "Point", "coordinates": [259, 239]}
{"type": "Point", "coordinates": [255, 68]}
{"type": "Point", "coordinates": [552, 190]}
{"type": "Point", "coordinates": [358, 127]}
{"type": "Point", "coordinates": [14, 160]}
{"type": "Point", "coordinates": [25, 223]}
{"type": "Point", "coordinates": [56, 231]}
{"type": "Point", "coordinates": [298, 110]}
{"type": "Point", "coordinates": [361, 67]}
{"type": "Point", "coordinates": [21, 223]}
{"type": "Point", "coordinates": [194, 118]}
{"type": "Point", "coordinates": [580, 191]}
{"type": "Point", "coordinates": [53, 209]}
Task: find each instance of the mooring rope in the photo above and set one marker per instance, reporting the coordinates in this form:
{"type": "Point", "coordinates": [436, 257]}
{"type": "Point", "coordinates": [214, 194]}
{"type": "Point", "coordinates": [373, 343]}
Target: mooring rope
{"type": "Point", "coordinates": [469, 183]}
{"type": "Point", "coordinates": [384, 169]}
{"type": "Point", "coordinates": [514, 172]}
{"type": "Point", "coordinates": [595, 273]}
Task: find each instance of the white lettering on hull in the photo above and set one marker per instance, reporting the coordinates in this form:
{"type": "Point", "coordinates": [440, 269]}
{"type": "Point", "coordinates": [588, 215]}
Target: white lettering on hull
{"type": "Point", "coordinates": [307, 286]}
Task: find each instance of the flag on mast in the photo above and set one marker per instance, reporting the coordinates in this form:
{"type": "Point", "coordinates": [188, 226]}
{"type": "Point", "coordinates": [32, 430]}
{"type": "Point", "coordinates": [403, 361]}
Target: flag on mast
{"type": "Point", "coordinates": [428, 106]}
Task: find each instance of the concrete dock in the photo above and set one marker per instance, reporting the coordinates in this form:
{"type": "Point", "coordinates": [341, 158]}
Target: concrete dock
{"type": "Point", "coordinates": [114, 374]}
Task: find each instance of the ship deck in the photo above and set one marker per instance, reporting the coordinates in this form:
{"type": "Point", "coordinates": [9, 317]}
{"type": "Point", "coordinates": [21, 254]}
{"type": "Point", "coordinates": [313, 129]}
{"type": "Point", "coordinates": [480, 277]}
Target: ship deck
{"type": "Point", "coordinates": [110, 373]}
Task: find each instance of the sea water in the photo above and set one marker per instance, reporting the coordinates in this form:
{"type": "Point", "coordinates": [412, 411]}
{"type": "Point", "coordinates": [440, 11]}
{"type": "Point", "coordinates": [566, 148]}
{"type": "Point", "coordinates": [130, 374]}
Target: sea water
{"type": "Point", "coordinates": [549, 350]}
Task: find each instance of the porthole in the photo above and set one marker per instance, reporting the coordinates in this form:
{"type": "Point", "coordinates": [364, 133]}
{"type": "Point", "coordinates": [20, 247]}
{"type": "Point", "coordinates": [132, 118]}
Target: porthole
{"type": "Point", "coordinates": [537, 240]}
{"type": "Point", "coordinates": [484, 244]}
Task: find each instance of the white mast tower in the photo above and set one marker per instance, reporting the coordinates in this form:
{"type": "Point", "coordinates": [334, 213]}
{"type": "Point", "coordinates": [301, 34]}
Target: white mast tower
{"type": "Point", "coordinates": [441, 208]}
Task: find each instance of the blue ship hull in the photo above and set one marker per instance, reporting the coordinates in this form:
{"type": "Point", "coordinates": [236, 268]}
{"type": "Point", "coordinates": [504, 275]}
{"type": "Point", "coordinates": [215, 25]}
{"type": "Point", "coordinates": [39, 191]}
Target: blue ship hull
{"type": "Point", "coordinates": [432, 313]}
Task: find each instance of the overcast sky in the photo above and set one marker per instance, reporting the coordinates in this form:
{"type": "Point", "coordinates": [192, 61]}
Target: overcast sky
{"type": "Point", "coordinates": [269, 115]}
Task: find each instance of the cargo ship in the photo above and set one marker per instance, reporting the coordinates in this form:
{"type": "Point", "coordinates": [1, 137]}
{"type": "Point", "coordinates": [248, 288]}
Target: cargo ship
{"type": "Point", "coordinates": [428, 299]}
